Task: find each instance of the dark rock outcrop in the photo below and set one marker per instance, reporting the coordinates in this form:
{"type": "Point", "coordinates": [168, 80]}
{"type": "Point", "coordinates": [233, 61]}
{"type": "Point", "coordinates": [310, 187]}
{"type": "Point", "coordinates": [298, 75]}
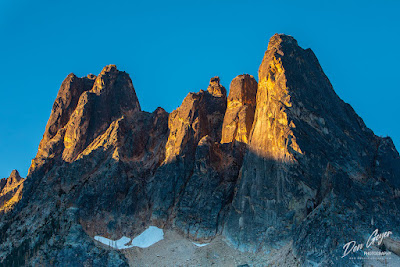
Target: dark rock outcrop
{"type": "Point", "coordinates": [282, 163]}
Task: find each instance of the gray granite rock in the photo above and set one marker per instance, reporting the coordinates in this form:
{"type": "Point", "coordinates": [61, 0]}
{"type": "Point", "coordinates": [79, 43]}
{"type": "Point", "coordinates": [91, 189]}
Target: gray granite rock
{"type": "Point", "coordinates": [279, 163]}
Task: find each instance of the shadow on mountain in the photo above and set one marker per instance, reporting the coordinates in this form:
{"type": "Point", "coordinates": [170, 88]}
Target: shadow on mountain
{"type": "Point", "coordinates": [66, 203]}
{"type": "Point", "coordinates": [256, 202]}
{"type": "Point", "coordinates": [309, 173]}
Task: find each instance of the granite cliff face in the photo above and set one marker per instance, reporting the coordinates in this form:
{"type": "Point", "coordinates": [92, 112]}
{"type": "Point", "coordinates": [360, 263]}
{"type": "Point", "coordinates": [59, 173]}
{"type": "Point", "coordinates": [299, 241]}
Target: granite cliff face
{"type": "Point", "coordinates": [269, 166]}
{"type": "Point", "coordinates": [308, 149]}
{"type": "Point", "coordinates": [239, 115]}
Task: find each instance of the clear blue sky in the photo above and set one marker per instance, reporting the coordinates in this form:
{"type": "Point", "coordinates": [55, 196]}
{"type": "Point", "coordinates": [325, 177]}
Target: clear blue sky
{"type": "Point", "coordinates": [171, 48]}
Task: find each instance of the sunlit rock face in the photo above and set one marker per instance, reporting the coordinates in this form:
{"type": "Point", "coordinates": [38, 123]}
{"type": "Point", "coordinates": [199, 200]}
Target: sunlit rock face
{"type": "Point", "coordinates": [279, 163]}
{"type": "Point", "coordinates": [239, 114]}
{"type": "Point", "coordinates": [111, 97]}
{"type": "Point", "coordinates": [64, 106]}
{"type": "Point", "coordinates": [215, 88]}
{"type": "Point", "coordinates": [199, 115]}
{"type": "Point", "coordinates": [307, 150]}
{"type": "Point", "coordinates": [84, 108]}
{"type": "Point", "coordinates": [10, 191]}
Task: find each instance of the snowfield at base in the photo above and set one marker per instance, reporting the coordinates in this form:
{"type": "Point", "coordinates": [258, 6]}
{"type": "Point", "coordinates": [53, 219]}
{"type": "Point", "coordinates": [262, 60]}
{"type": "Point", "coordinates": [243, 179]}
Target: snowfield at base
{"type": "Point", "coordinates": [149, 237]}
{"type": "Point", "coordinates": [118, 244]}
{"type": "Point", "coordinates": [201, 245]}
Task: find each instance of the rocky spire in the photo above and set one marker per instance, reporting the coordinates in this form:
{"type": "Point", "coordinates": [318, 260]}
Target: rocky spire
{"type": "Point", "coordinates": [111, 97]}
{"type": "Point", "coordinates": [64, 105]}
{"type": "Point", "coordinates": [84, 108]}
{"type": "Point", "coordinates": [10, 191]}
{"type": "Point", "coordinates": [239, 114]}
{"type": "Point", "coordinates": [300, 127]}
{"type": "Point", "coordinates": [282, 163]}
{"type": "Point", "coordinates": [215, 88]}
{"type": "Point", "coordinates": [14, 178]}
{"type": "Point", "coordinates": [199, 115]}
{"type": "Point", "coordinates": [194, 128]}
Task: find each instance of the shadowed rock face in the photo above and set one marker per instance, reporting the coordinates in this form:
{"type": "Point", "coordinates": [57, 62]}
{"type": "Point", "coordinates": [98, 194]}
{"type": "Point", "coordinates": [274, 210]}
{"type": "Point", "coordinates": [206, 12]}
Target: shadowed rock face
{"type": "Point", "coordinates": [281, 163]}
{"type": "Point", "coordinates": [193, 187]}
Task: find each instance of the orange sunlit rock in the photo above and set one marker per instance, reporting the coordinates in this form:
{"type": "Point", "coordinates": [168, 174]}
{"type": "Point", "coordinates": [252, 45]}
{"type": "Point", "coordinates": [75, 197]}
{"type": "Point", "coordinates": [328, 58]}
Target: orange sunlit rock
{"type": "Point", "coordinates": [10, 191]}
{"type": "Point", "coordinates": [239, 114]}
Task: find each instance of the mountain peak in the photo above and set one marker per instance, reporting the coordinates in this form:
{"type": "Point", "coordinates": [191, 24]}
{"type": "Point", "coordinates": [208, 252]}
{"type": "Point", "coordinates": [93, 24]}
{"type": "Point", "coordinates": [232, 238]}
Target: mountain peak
{"type": "Point", "coordinates": [15, 175]}
{"type": "Point", "coordinates": [215, 88]}
{"type": "Point", "coordinates": [13, 179]}
{"type": "Point", "coordinates": [83, 109]}
{"type": "Point", "coordinates": [109, 68]}
{"type": "Point", "coordinates": [270, 164]}
{"type": "Point", "coordinates": [279, 39]}
{"type": "Point", "coordinates": [10, 191]}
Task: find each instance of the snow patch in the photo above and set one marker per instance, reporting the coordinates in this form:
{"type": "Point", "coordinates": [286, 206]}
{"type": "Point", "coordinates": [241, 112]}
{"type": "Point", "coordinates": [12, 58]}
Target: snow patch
{"type": "Point", "coordinates": [118, 244]}
{"type": "Point", "coordinates": [201, 245]}
{"type": "Point", "coordinates": [149, 237]}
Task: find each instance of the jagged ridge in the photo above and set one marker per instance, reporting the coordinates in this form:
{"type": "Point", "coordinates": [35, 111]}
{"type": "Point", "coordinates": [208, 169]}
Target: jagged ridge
{"type": "Point", "coordinates": [268, 165]}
